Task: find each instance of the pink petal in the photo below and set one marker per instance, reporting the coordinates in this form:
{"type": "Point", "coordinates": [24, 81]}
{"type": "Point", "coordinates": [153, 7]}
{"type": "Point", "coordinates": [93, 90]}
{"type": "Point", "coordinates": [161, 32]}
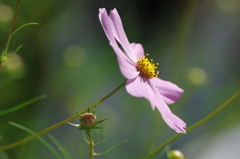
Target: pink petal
{"type": "Point", "coordinates": [120, 34]}
{"type": "Point", "coordinates": [155, 90]}
{"type": "Point", "coordinates": [168, 90]}
{"type": "Point", "coordinates": [107, 25]}
{"type": "Point", "coordinates": [138, 87]}
{"type": "Point", "coordinates": [126, 65]}
{"type": "Point", "coordinates": [172, 120]}
{"type": "Point", "coordinates": [141, 87]}
{"type": "Point", "coordinates": [138, 50]}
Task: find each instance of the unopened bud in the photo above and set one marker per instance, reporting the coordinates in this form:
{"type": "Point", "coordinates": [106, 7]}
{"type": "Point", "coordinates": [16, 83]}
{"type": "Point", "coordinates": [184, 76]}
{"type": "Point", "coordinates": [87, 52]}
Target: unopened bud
{"type": "Point", "coordinates": [88, 120]}
{"type": "Point", "coordinates": [175, 154]}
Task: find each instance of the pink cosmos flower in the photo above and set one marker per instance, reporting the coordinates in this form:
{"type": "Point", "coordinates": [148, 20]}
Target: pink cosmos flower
{"type": "Point", "coordinates": [140, 71]}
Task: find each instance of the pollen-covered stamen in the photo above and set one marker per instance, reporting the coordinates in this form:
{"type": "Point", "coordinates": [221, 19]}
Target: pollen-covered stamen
{"type": "Point", "coordinates": [146, 67]}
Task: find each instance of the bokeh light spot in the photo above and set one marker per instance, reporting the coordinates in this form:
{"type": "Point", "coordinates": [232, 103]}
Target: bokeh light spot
{"type": "Point", "coordinates": [197, 75]}
{"type": "Point", "coordinates": [228, 6]}
{"type": "Point", "coordinates": [74, 56]}
{"type": "Point", "coordinates": [15, 67]}
{"type": "Point", "coordinates": [6, 13]}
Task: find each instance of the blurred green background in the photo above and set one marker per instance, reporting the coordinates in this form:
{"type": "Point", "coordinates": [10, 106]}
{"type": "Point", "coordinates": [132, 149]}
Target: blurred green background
{"type": "Point", "coordinates": [68, 58]}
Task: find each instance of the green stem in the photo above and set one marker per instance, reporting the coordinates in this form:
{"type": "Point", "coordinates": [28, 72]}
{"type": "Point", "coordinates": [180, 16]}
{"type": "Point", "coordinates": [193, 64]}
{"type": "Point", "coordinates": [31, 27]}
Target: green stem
{"type": "Point", "coordinates": [193, 126]}
{"type": "Point", "coordinates": [90, 146]}
{"type": "Point", "coordinates": [18, 48]}
{"type": "Point", "coordinates": [13, 23]}
{"type": "Point", "coordinates": [0, 65]}
{"type": "Point", "coordinates": [60, 123]}
{"type": "Point", "coordinates": [12, 109]}
{"type": "Point", "coordinates": [10, 37]}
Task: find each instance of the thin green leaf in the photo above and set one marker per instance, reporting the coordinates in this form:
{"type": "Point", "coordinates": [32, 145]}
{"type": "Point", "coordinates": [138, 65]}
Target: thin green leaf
{"type": "Point", "coordinates": [96, 127]}
{"type": "Point", "coordinates": [6, 50]}
{"type": "Point", "coordinates": [88, 132]}
{"type": "Point", "coordinates": [80, 150]}
{"type": "Point", "coordinates": [78, 112]}
{"type": "Point", "coordinates": [6, 111]}
{"type": "Point", "coordinates": [101, 121]}
{"type": "Point", "coordinates": [39, 138]}
{"type": "Point", "coordinates": [18, 48]}
{"type": "Point", "coordinates": [100, 142]}
{"type": "Point", "coordinates": [76, 125]}
{"type": "Point", "coordinates": [60, 147]}
{"type": "Point", "coordinates": [92, 133]}
{"type": "Point", "coordinates": [112, 148]}
{"type": "Point", "coordinates": [94, 111]}
{"type": "Point", "coordinates": [86, 140]}
{"type": "Point", "coordinates": [151, 147]}
{"type": "Point", "coordinates": [168, 152]}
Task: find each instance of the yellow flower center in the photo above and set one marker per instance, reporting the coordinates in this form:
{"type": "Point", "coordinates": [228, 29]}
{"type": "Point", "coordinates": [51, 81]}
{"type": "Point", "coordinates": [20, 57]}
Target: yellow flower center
{"type": "Point", "coordinates": [147, 68]}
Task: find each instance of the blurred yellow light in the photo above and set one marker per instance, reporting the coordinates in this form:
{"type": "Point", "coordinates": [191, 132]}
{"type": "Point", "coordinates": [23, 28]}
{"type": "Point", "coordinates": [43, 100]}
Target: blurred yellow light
{"type": "Point", "coordinates": [228, 6]}
{"type": "Point", "coordinates": [15, 67]}
{"type": "Point", "coordinates": [197, 75]}
{"type": "Point", "coordinates": [175, 154]}
{"type": "Point", "coordinates": [6, 13]}
{"type": "Point", "coordinates": [74, 56]}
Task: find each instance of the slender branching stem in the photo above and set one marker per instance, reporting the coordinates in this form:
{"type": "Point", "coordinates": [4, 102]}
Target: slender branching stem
{"type": "Point", "coordinates": [13, 23]}
{"type": "Point", "coordinates": [90, 146]}
{"type": "Point", "coordinates": [60, 123]}
{"type": "Point", "coordinates": [154, 152]}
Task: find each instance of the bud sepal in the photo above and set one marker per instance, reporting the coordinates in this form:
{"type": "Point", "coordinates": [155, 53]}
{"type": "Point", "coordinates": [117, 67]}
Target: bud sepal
{"type": "Point", "coordinates": [88, 121]}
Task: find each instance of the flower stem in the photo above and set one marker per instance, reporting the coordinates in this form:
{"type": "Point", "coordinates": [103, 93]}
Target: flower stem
{"type": "Point", "coordinates": [90, 146]}
{"type": "Point", "coordinates": [60, 123]}
{"type": "Point", "coordinates": [154, 152]}
{"type": "Point", "coordinates": [13, 23]}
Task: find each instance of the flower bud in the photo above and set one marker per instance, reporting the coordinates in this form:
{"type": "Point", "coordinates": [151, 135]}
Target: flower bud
{"type": "Point", "coordinates": [175, 154]}
{"type": "Point", "coordinates": [88, 120]}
